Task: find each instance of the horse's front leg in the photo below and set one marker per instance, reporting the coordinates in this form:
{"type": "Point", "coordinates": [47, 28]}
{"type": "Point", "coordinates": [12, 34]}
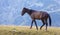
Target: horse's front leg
{"type": "Point", "coordinates": [36, 25]}
{"type": "Point", "coordinates": [31, 24]}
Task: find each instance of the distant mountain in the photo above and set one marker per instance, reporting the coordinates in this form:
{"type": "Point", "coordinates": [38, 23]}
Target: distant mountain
{"type": "Point", "coordinates": [10, 11]}
{"type": "Point", "coordinates": [55, 19]}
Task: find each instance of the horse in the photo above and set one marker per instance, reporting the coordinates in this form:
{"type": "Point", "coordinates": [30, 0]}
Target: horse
{"type": "Point", "coordinates": [37, 15]}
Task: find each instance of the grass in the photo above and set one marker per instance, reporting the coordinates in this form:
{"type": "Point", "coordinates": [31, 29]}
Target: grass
{"type": "Point", "coordinates": [25, 30]}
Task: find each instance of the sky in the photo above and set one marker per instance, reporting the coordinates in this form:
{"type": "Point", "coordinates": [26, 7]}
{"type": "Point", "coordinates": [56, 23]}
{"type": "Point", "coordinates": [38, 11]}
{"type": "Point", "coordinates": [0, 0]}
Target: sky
{"type": "Point", "coordinates": [10, 10]}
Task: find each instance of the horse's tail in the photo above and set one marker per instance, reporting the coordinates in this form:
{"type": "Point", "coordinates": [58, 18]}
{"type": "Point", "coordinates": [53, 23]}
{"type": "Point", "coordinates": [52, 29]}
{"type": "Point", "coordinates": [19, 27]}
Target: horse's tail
{"type": "Point", "coordinates": [49, 20]}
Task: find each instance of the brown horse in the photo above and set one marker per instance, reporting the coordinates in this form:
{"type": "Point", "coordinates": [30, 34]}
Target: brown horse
{"type": "Point", "coordinates": [40, 15]}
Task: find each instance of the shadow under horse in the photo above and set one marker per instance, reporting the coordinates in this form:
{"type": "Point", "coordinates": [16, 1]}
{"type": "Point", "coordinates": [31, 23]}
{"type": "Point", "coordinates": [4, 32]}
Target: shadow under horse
{"type": "Point", "coordinates": [39, 15]}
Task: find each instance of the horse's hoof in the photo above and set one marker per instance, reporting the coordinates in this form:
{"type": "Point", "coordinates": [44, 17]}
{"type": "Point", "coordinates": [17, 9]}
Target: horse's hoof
{"type": "Point", "coordinates": [30, 28]}
{"type": "Point", "coordinates": [40, 28]}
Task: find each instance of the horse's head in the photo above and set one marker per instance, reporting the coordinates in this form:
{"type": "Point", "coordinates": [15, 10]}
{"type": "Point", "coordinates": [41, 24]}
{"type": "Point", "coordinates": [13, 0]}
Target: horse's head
{"type": "Point", "coordinates": [24, 11]}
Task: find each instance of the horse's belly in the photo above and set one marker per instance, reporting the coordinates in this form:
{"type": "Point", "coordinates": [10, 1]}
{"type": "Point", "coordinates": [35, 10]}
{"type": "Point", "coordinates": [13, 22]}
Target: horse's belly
{"type": "Point", "coordinates": [37, 16]}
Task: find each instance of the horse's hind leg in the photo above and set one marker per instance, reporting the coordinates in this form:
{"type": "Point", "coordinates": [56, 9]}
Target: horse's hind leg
{"type": "Point", "coordinates": [36, 25]}
{"type": "Point", "coordinates": [31, 24]}
{"type": "Point", "coordinates": [43, 24]}
{"type": "Point", "coordinates": [46, 25]}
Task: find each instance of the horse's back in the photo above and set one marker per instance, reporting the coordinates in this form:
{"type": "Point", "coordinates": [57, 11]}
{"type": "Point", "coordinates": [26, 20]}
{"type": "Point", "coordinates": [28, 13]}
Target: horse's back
{"type": "Point", "coordinates": [39, 15]}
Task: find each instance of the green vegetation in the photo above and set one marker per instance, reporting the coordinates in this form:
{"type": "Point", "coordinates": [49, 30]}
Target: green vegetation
{"type": "Point", "coordinates": [21, 30]}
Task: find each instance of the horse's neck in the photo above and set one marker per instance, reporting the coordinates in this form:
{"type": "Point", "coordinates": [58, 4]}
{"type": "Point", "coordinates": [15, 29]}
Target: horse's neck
{"type": "Point", "coordinates": [30, 12]}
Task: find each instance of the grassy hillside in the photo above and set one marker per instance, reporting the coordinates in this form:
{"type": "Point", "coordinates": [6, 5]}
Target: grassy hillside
{"type": "Point", "coordinates": [21, 30]}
